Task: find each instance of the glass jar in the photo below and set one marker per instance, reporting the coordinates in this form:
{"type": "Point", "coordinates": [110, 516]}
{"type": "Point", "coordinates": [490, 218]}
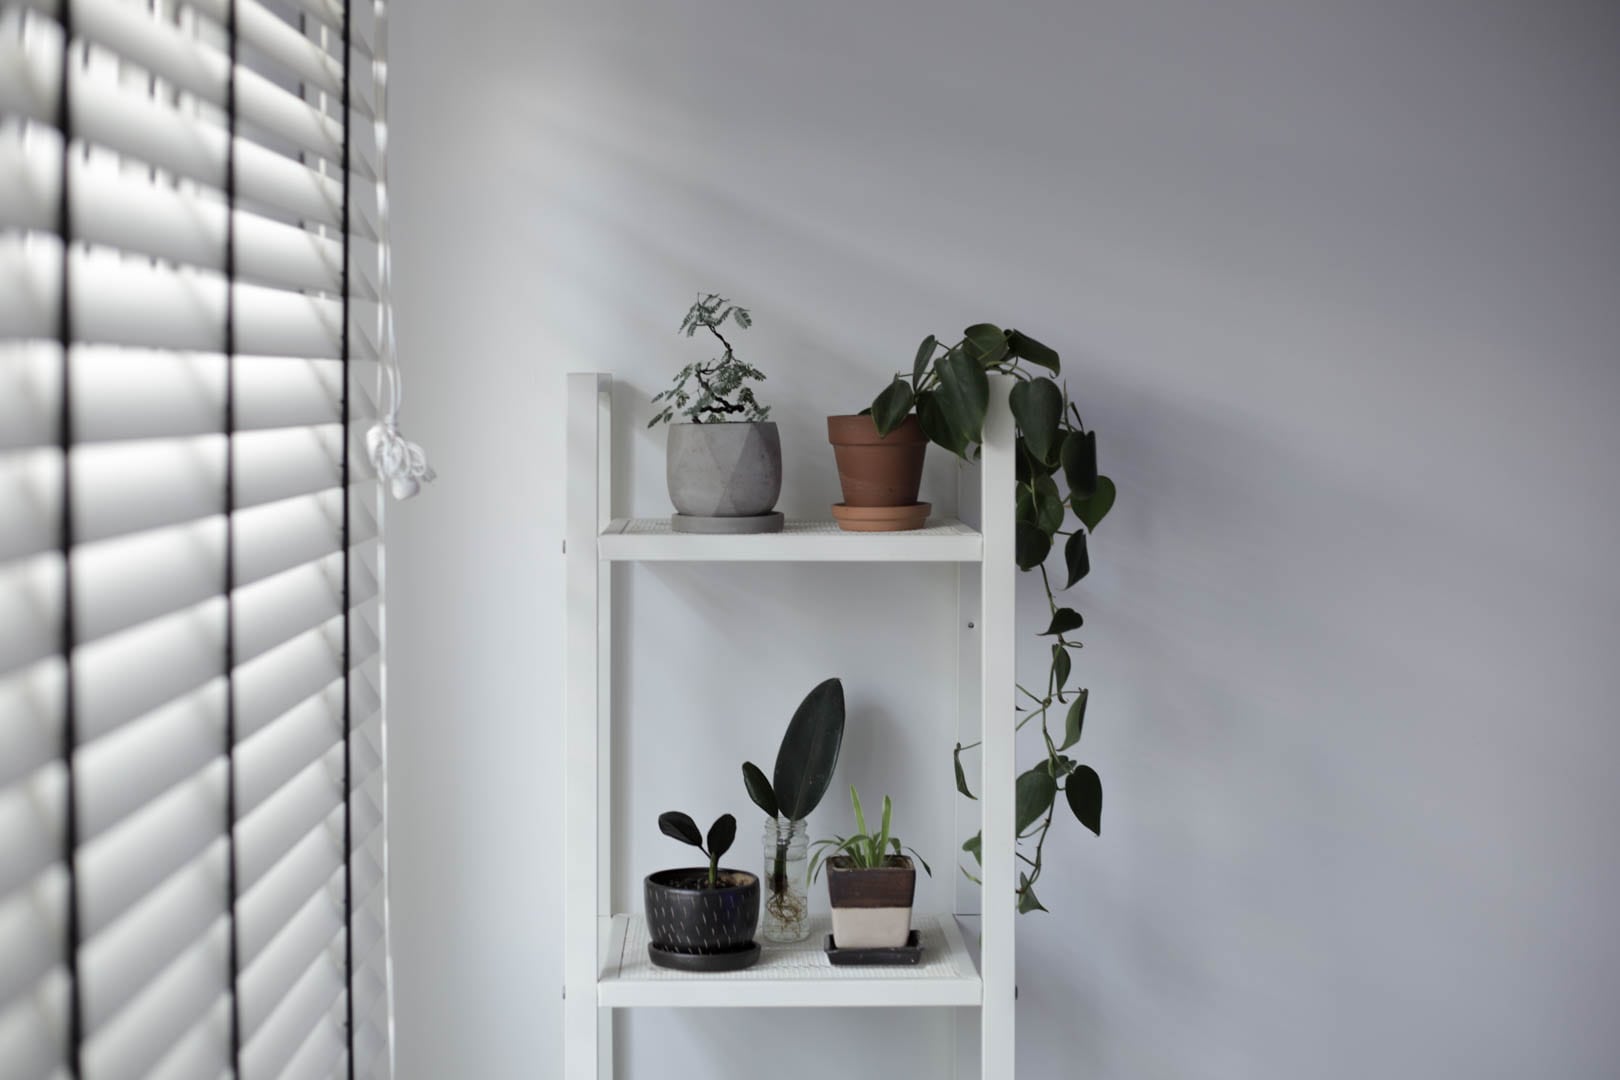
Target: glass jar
{"type": "Point", "coordinates": [786, 914]}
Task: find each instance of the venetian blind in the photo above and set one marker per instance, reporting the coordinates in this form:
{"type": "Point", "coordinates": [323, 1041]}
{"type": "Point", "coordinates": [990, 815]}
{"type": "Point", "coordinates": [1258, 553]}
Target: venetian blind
{"type": "Point", "coordinates": [192, 843]}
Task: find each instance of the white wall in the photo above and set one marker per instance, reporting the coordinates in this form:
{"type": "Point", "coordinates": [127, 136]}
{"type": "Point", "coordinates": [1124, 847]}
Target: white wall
{"type": "Point", "coordinates": [1339, 285]}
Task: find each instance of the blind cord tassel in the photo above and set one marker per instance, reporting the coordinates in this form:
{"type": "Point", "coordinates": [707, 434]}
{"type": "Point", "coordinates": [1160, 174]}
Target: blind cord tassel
{"type": "Point", "coordinates": [402, 463]}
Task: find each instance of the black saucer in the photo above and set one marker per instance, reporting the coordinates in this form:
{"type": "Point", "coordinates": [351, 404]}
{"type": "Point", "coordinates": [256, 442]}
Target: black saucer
{"type": "Point", "coordinates": [732, 960]}
{"type": "Point", "coordinates": [909, 953]}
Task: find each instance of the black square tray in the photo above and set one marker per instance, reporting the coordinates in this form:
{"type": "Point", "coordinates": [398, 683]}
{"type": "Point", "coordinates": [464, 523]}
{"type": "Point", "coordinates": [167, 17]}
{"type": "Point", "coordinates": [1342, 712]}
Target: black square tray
{"type": "Point", "coordinates": [909, 953]}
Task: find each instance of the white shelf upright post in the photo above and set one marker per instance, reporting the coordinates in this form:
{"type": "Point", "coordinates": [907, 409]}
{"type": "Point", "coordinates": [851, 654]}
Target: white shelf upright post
{"type": "Point", "coordinates": [998, 770]}
{"type": "Point", "coordinates": [587, 739]}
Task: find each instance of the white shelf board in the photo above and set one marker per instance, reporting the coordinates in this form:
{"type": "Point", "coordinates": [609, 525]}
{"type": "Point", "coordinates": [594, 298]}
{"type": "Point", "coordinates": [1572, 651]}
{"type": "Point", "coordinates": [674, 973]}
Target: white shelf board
{"type": "Point", "coordinates": [788, 975]}
{"type": "Point", "coordinates": [652, 540]}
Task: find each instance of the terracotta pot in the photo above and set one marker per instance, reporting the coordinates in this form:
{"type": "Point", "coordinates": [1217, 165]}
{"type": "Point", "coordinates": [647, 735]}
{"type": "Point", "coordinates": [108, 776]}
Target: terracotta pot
{"type": "Point", "coordinates": [877, 470]}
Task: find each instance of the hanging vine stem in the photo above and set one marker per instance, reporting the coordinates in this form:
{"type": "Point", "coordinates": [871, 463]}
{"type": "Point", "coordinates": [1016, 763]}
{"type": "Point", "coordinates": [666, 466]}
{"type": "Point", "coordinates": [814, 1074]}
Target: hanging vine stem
{"type": "Point", "coordinates": [948, 388]}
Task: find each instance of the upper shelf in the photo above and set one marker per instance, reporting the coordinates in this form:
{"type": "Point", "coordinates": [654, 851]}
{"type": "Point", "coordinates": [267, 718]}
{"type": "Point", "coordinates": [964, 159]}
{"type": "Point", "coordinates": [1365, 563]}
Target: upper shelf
{"type": "Point", "coordinates": [652, 540]}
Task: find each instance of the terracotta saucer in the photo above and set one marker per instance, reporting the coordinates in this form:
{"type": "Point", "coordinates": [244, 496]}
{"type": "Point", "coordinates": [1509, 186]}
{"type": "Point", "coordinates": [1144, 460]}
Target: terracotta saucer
{"type": "Point", "coordinates": [881, 518]}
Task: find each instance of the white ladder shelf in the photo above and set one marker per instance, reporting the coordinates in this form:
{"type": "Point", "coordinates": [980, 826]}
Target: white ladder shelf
{"type": "Point", "coordinates": [605, 967]}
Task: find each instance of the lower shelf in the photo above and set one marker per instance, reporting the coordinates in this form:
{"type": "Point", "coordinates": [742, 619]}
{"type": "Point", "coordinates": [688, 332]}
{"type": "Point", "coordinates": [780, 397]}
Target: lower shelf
{"type": "Point", "coordinates": [788, 975]}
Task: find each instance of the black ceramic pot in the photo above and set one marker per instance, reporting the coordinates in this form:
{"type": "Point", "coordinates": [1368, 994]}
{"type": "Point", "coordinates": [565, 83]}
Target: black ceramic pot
{"type": "Point", "coordinates": [687, 918]}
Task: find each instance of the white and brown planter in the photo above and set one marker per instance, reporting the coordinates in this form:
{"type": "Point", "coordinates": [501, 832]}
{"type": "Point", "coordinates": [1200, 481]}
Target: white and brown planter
{"type": "Point", "coordinates": [871, 909]}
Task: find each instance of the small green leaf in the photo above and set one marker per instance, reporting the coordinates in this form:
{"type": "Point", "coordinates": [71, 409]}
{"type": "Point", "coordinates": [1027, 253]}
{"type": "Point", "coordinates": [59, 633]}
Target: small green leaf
{"type": "Point", "coordinates": [972, 847]}
{"type": "Point", "coordinates": [1027, 348]}
{"type": "Point", "coordinates": [892, 406]}
{"type": "Point", "coordinates": [1091, 509]}
{"type": "Point", "coordinates": [963, 395]}
{"type": "Point", "coordinates": [1080, 463]}
{"type": "Point", "coordinates": [961, 776]}
{"type": "Point", "coordinates": [1084, 792]}
{"type": "Point", "coordinates": [925, 353]}
{"type": "Point", "coordinates": [1075, 720]}
{"type": "Point", "coordinates": [1077, 558]}
{"type": "Point", "coordinates": [759, 788]}
{"type": "Point", "coordinates": [721, 835]}
{"type": "Point", "coordinates": [1030, 546]}
{"type": "Point", "coordinates": [1037, 406]}
{"type": "Point", "coordinates": [1063, 620]}
{"type": "Point", "coordinates": [679, 826]}
{"type": "Point", "coordinates": [1026, 899]}
{"type": "Point", "coordinates": [986, 343]}
{"type": "Point", "coordinates": [1036, 790]}
{"type": "Point", "coordinates": [1060, 666]}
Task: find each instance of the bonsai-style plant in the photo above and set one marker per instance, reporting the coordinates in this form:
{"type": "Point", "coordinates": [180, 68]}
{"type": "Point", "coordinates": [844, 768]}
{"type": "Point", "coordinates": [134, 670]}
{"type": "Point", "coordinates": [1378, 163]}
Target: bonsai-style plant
{"type": "Point", "coordinates": [871, 882]}
{"type": "Point", "coordinates": [947, 391]}
{"type": "Point", "coordinates": [804, 767]}
{"type": "Point", "coordinates": [724, 463]}
{"type": "Point", "coordinates": [702, 918]}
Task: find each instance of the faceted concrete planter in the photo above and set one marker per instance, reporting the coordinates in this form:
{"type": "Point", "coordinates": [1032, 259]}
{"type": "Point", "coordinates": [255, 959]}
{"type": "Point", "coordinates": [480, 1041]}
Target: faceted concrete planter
{"type": "Point", "coordinates": [725, 477]}
{"type": "Point", "coordinates": [871, 909]}
{"type": "Point", "coordinates": [692, 927]}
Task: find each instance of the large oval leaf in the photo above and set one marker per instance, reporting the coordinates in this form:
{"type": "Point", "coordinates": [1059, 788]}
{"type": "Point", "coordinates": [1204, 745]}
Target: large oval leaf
{"type": "Point", "coordinates": [1084, 792]}
{"type": "Point", "coordinates": [1093, 508]}
{"type": "Point", "coordinates": [892, 406]}
{"type": "Point", "coordinates": [1030, 546]}
{"type": "Point", "coordinates": [759, 788]}
{"type": "Point", "coordinates": [809, 751]}
{"type": "Point", "coordinates": [963, 395]}
{"type": "Point", "coordinates": [1025, 347]}
{"type": "Point", "coordinates": [679, 826]}
{"type": "Point", "coordinates": [721, 835]}
{"type": "Point", "coordinates": [1037, 406]}
{"type": "Point", "coordinates": [1077, 558]}
{"type": "Point", "coordinates": [1036, 790]}
{"type": "Point", "coordinates": [1080, 463]}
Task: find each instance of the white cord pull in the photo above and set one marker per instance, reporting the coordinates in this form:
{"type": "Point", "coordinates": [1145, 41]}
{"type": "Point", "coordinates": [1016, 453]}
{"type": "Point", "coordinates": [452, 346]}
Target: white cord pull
{"type": "Point", "coordinates": [395, 457]}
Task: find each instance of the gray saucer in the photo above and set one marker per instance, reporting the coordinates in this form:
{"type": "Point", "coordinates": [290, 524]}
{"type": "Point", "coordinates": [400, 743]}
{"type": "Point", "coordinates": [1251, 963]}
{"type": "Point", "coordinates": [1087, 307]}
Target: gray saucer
{"type": "Point", "coordinates": [727, 526]}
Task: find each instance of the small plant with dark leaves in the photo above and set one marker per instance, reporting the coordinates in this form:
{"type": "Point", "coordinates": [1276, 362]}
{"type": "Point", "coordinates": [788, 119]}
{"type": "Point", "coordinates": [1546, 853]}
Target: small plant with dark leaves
{"type": "Point", "coordinates": [865, 850]}
{"type": "Point", "coordinates": [949, 389]}
{"type": "Point", "coordinates": [681, 827]}
{"type": "Point", "coordinates": [718, 391]}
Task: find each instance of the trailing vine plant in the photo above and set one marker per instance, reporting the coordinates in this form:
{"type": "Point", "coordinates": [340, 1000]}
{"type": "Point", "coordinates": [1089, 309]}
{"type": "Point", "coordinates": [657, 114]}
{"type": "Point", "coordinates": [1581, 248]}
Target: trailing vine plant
{"type": "Point", "coordinates": [722, 394]}
{"type": "Point", "coordinates": [949, 390]}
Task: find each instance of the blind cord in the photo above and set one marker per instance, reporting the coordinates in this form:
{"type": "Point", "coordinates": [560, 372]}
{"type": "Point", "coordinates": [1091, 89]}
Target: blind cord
{"type": "Point", "coordinates": [232, 885]}
{"type": "Point", "coordinates": [402, 462]}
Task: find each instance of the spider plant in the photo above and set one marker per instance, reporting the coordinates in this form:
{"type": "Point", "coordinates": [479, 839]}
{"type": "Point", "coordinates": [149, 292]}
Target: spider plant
{"type": "Point", "coordinates": [865, 850]}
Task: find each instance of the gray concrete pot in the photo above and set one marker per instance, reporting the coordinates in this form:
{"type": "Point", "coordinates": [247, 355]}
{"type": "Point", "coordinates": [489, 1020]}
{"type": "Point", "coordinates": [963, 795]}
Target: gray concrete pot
{"type": "Point", "coordinates": [724, 470]}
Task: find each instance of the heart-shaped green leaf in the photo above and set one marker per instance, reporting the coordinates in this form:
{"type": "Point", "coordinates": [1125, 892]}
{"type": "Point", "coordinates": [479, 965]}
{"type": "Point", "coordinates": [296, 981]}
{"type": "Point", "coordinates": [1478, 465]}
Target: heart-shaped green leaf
{"type": "Point", "coordinates": [1091, 509]}
{"type": "Point", "coordinates": [892, 406]}
{"type": "Point", "coordinates": [1076, 557]}
{"type": "Point", "coordinates": [985, 343]}
{"type": "Point", "coordinates": [809, 751]}
{"type": "Point", "coordinates": [1027, 348]}
{"type": "Point", "coordinates": [679, 826]}
{"type": "Point", "coordinates": [1037, 406]}
{"type": "Point", "coordinates": [931, 417]}
{"type": "Point", "coordinates": [1075, 721]}
{"type": "Point", "coordinates": [961, 775]}
{"type": "Point", "coordinates": [1026, 897]}
{"type": "Point", "coordinates": [925, 353]}
{"type": "Point", "coordinates": [963, 395]}
{"type": "Point", "coordinates": [1035, 791]}
{"type": "Point", "coordinates": [1084, 792]}
{"type": "Point", "coordinates": [1041, 504]}
{"type": "Point", "coordinates": [759, 788]}
{"type": "Point", "coordinates": [1080, 463]}
{"type": "Point", "coordinates": [1063, 620]}
{"type": "Point", "coordinates": [1061, 663]}
{"type": "Point", "coordinates": [1030, 546]}
{"type": "Point", "coordinates": [721, 834]}
{"type": "Point", "coordinates": [972, 848]}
